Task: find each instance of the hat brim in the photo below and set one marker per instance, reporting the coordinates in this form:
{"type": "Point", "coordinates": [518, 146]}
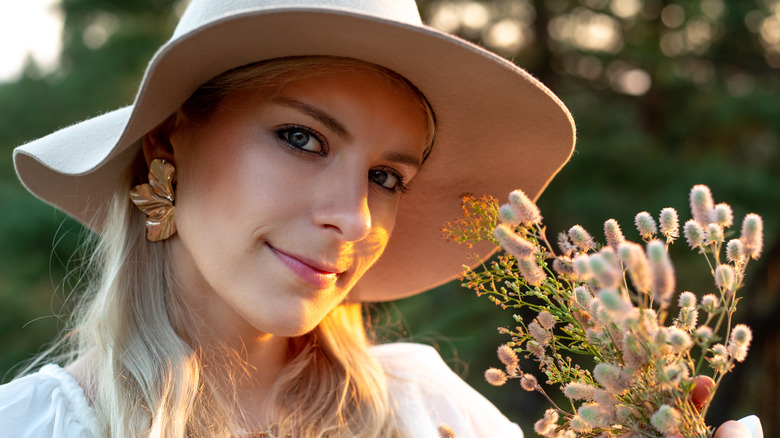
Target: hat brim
{"type": "Point", "coordinates": [498, 128]}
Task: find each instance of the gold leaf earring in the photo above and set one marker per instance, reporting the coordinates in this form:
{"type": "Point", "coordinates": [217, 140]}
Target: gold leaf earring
{"type": "Point", "coordinates": [156, 200]}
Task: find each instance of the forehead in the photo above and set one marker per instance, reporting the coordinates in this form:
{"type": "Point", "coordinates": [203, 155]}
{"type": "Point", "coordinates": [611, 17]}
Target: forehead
{"type": "Point", "coordinates": [356, 87]}
{"type": "Point", "coordinates": [271, 76]}
{"type": "Point", "coordinates": [362, 98]}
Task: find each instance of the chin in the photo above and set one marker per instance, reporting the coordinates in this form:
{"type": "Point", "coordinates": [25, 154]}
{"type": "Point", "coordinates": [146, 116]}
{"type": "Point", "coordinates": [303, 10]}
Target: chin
{"type": "Point", "coordinates": [294, 332]}
{"type": "Point", "coordinates": [291, 327]}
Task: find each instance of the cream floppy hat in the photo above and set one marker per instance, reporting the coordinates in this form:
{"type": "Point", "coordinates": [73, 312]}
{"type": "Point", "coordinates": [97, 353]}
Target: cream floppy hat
{"type": "Point", "coordinates": [498, 128]}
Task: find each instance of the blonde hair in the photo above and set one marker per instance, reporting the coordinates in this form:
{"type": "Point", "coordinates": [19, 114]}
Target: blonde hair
{"type": "Point", "coordinates": [148, 376]}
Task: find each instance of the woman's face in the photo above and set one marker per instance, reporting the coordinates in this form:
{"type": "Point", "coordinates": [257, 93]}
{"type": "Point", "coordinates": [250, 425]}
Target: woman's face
{"type": "Point", "coordinates": [286, 197]}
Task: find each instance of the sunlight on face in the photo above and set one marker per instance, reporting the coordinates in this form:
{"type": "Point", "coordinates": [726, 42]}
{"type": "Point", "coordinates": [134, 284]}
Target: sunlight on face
{"type": "Point", "coordinates": [286, 197]}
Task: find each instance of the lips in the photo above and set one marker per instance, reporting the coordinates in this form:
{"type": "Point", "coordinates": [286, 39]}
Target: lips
{"type": "Point", "coordinates": [310, 271]}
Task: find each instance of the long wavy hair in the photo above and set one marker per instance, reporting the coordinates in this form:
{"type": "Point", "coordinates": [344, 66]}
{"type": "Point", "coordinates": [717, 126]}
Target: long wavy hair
{"type": "Point", "coordinates": [147, 374]}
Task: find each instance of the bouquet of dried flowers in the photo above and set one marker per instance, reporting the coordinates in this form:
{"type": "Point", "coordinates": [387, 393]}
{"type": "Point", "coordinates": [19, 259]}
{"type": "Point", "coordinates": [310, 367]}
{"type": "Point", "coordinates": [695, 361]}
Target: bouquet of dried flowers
{"type": "Point", "coordinates": [614, 304]}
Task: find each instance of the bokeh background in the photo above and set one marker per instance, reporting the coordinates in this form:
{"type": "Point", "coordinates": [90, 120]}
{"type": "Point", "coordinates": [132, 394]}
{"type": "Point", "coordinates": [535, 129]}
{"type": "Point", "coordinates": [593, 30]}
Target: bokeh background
{"type": "Point", "coordinates": [666, 94]}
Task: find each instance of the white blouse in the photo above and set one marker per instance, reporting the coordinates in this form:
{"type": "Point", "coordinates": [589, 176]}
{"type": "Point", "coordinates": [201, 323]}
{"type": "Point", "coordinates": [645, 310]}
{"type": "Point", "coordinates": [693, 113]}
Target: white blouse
{"type": "Point", "coordinates": [48, 403]}
{"type": "Point", "coordinates": [424, 391]}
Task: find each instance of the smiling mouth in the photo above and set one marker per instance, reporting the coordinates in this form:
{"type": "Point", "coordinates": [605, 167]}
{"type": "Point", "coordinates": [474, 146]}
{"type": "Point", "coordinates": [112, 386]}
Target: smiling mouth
{"type": "Point", "coordinates": [307, 270]}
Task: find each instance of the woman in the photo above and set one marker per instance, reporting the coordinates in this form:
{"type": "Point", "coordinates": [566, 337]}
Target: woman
{"type": "Point", "coordinates": [245, 204]}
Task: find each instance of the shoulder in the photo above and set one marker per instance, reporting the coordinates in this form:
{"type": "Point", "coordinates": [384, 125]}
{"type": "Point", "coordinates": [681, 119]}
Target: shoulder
{"type": "Point", "coordinates": [48, 403]}
{"type": "Point", "coordinates": [427, 393]}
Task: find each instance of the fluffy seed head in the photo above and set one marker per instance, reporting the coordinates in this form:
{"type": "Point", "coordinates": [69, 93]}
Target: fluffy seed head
{"type": "Point", "coordinates": [546, 319]}
{"type": "Point", "coordinates": [649, 320]}
{"type": "Point", "coordinates": [687, 299]}
{"type": "Point", "coordinates": [547, 423]}
{"type": "Point", "coordinates": [624, 413]}
{"type": "Point", "coordinates": [709, 302]}
{"type": "Point", "coordinates": [739, 341]}
{"type": "Point", "coordinates": [635, 260]}
{"type": "Point", "coordinates": [578, 424]}
{"type": "Point", "coordinates": [495, 377]}
{"type": "Point", "coordinates": [609, 376]}
{"type": "Point", "coordinates": [714, 233]}
{"type": "Point", "coordinates": [565, 245]}
{"type": "Point", "coordinates": [703, 333]}
{"type": "Point", "coordinates": [613, 301]}
{"type": "Point", "coordinates": [604, 271]}
{"type": "Point", "coordinates": [735, 251]}
{"type": "Point", "coordinates": [604, 398]}
{"type": "Point", "coordinates": [538, 332]}
{"type": "Point", "coordinates": [752, 235]}
{"type": "Point", "coordinates": [613, 234]}
{"type": "Point", "coordinates": [562, 266]}
{"type": "Point", "coordinates": [581, 265]}
{"type": "Point", "coordinates": [528, 382]}
{"type": "Point", "coordinates": [666, 419]}
{"type": "Point", "coordinates": [661, 272]}
{"type": "Point", "coordinates": [583, 296]}
{"type": "Point", "coordinates": [723, 215]}
{"type": "Point", "coordinates": [702, 204]}
{"type": "Point", "coordinates": [593, 415]}
{"type": "Point", "coordinates": [599, 312]}
{"type": "Point", "coordinates": [535, 348]}
{"type": "Point", "coordinates": [720, 350]}
{"type": "Point", "coordinates": [633, 354]}
{"type": "Point", "coordinates": [678, 339]}
{"type": "Point", "coordinates": [530, 271]}
{"type": "Point", "coordinates": [741, 335]}
{"type": "Point", "coordinates": [513, 243]}
{"type": "Point", "coordinates": [674, 373]}
{"type": "Point", "coordinates": [507, 215]}
{"type": "Point", "coordinates": [687, 318]}
{"type": "Point", "coordinates": [507, 355]}
{"type": "Point", "coordinates": [694, 234]}
{"type": "Point", "coordinates": [581, 238]}
{"type": "Point", "coordinates": [720, 358]}
{"type": "Point", "coordinates": [738, 352]}
{"type": "Point", "coordinates": [579, 391]}
{"type": "Point", "coordinates": [526, 209]}
{"type": "Point", "coordinates": [551, 415]}
{"type": "Point", "coordinates": [725, 278]}
{"type": "Point", "coordinates": [645, 224]}
{"type": "Point", "coordinates": [610, 255]}
{"type": "Point", "coordinates": [670, 224]}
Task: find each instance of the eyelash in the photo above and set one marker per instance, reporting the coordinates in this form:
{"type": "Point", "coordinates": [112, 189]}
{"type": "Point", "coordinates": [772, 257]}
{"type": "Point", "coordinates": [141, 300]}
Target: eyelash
{"type": "Point", "coordinates": [400, 187]}
{"type": "Point", "coordinates": [314, 134]}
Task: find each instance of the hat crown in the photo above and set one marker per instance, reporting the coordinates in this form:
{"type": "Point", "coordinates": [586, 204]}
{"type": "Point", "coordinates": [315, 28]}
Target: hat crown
{"type": "Point", "coordinates": [202, 12]}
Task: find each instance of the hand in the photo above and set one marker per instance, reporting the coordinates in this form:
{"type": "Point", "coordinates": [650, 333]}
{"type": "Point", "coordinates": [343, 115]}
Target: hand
{"type": "Point", "coordinates": [701, 393]}
{"type": "Point", "coordinates": [732, 429]}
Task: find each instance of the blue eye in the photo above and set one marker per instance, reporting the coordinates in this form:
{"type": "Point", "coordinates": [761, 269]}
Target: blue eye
{"type": "Point", "coordinates": [386, 179]}
{"type": "Point", "coordinates": [301, 138]}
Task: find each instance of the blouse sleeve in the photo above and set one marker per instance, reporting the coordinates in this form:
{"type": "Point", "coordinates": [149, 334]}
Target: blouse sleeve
{"type": "Point", "coordinates": [426, 393]}
{"type": "Point", "coordinates": [45, 404]}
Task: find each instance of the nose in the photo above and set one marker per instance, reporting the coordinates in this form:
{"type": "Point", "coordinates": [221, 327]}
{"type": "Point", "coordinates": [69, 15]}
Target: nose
{"type": "Point", "coordinates": [343, 205]}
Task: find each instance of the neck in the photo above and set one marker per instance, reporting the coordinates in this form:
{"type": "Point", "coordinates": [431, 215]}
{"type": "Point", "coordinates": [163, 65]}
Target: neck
{"type": "Point", "coordinates": [244, 374]}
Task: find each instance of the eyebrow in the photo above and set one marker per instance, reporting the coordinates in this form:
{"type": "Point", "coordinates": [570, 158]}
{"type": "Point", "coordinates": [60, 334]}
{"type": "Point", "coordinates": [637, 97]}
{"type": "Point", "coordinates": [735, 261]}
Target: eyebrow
{"type": "Point", "coordinates": [402, 158]}
{"type": "Point", "coordinates": [324, 118]}
{"type": "Point", "coordinates": [338, 128]}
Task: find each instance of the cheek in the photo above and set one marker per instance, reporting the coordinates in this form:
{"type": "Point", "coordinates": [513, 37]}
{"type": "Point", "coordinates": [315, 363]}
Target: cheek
{"type": "Point", "coordinates": [207, 192]}
{"type": "Point", "coordinates": [370, 249]}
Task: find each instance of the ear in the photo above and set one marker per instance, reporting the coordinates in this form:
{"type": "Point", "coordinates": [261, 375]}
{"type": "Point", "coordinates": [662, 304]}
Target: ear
{"type": "Point", "coordinates": [157, 142]}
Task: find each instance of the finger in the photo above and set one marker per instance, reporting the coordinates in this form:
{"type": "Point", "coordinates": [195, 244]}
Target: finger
{"type": "Point", "coordinates": [732, 429]}
{"type": "Point", "coordinates": [702, 388]}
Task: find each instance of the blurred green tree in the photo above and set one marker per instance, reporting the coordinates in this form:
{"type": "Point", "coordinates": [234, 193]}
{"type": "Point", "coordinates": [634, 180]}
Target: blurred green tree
{"type": "Point", "coordinates": [106, 46]}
